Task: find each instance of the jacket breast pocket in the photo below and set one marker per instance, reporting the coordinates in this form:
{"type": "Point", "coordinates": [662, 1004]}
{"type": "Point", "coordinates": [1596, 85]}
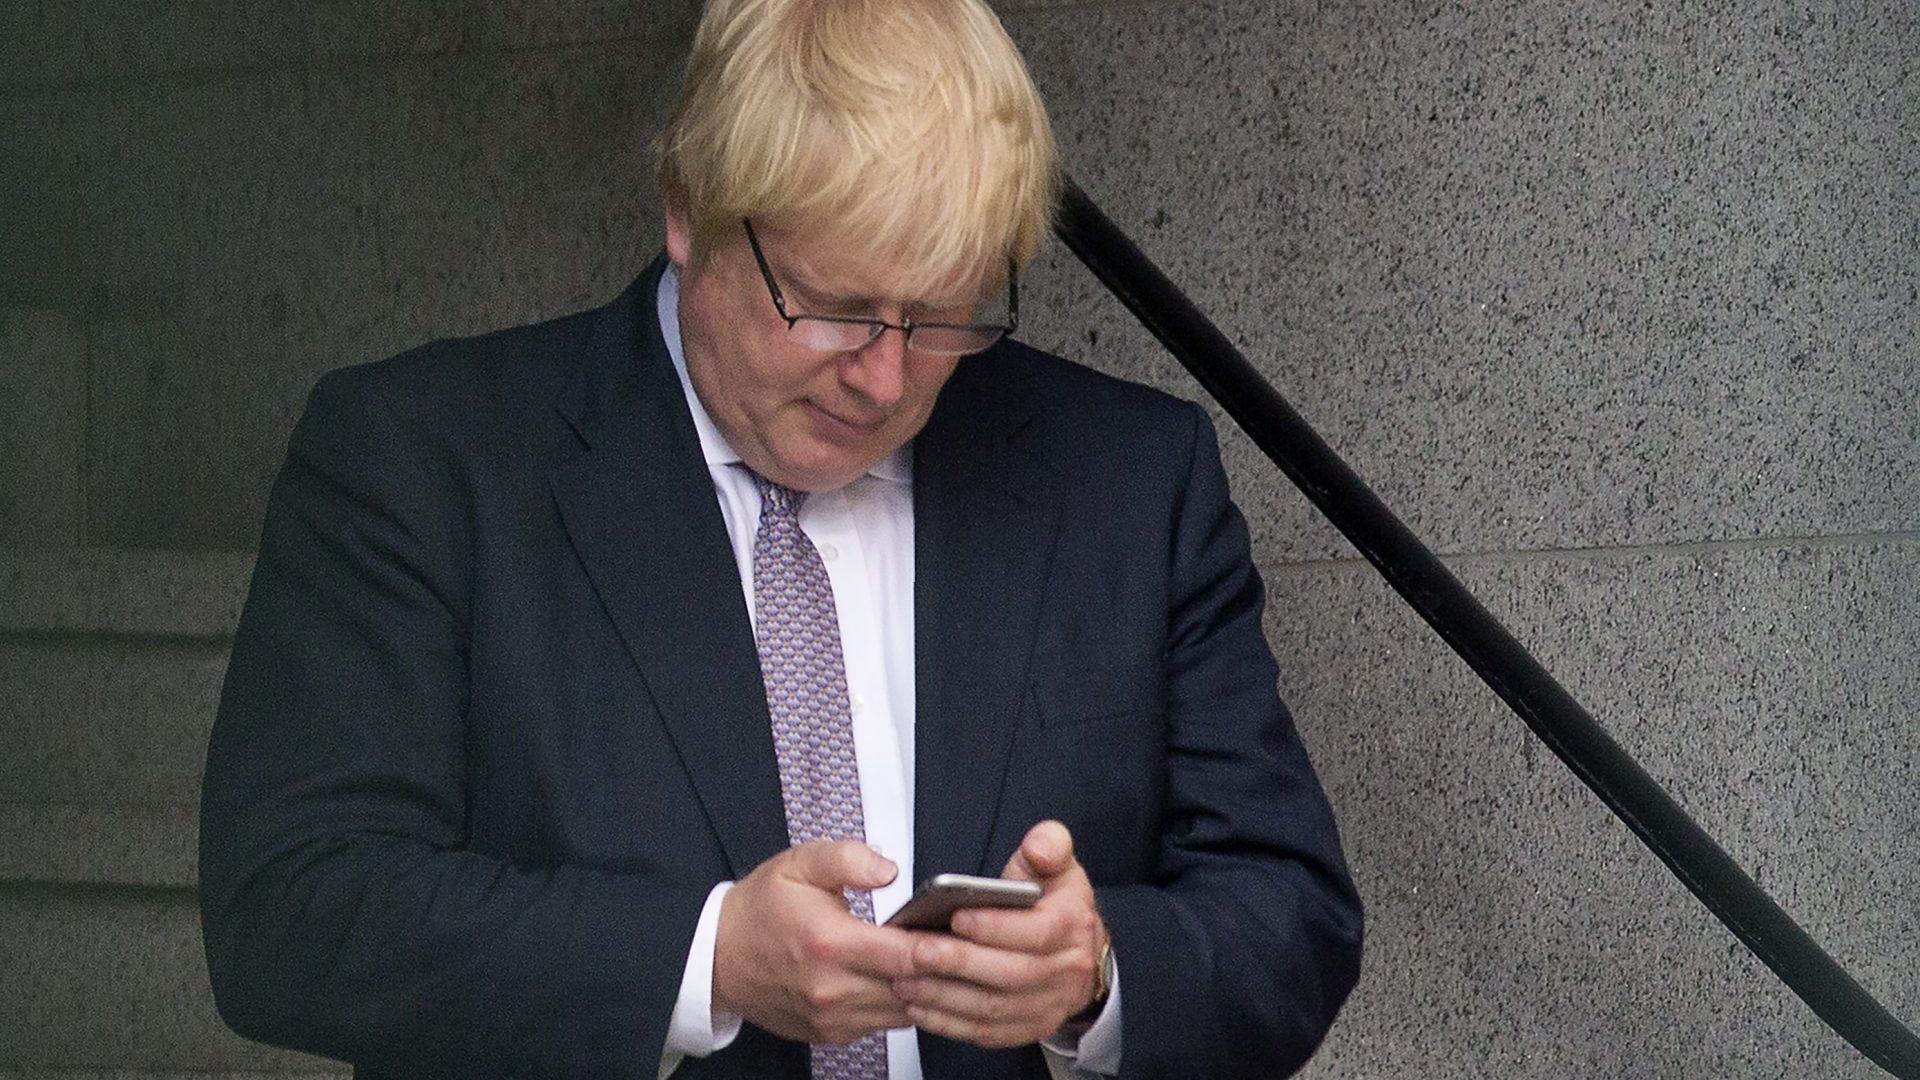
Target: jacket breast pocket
{"type": "Point", "coordinates": [1094, 693]}
{"type": "Point", "coordinates": [1094, 757]}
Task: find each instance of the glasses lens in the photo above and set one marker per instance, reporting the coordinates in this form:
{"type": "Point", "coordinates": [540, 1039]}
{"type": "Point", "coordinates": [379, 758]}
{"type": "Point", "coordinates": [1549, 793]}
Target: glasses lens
{"type": "Point", "coordinates": [955, 340]}
{"type": "Point", "coordinates": [822, 335]}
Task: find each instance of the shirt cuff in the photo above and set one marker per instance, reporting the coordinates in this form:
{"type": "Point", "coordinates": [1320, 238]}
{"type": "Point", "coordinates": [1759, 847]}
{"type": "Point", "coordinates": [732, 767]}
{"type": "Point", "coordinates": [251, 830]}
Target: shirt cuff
{"type": "Point", "coordinates": [1097, 1050]}
{"type": "Point", "coordinates": [696, 1028]}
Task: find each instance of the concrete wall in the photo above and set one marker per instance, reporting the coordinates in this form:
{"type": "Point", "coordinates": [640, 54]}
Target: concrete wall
{"type": "Point", "coordinates": [1616, 304]}
{"type": "Point", "coordinates": [203, 206]}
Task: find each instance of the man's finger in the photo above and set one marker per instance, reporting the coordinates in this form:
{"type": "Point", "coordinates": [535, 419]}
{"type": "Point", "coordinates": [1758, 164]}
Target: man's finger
{"type": "Point", "coordinates": [1035, 931]}
{"type": "Point", "coordinates": [963, 1000]}
{"type": "Point", "coordinates": [950, 958]}
{"type": "Point", "coordinates": [992, 1030]}
{"type": "Point", "coordinates": [878, 1017]}
{"type": "Point", "coordinates": [841, 864]}
{"type": "Point", "coordinates": [884, 953]}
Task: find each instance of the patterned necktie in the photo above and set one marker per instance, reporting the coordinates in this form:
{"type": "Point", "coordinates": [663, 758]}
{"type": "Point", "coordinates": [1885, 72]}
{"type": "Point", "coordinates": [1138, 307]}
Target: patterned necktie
{"type": "Point", "coordinates": [798, 634]}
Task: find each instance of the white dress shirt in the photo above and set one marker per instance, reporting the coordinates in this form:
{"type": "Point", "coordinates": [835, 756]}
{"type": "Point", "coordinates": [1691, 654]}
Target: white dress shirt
{"type": "Point", "coordinates": [864, 532]}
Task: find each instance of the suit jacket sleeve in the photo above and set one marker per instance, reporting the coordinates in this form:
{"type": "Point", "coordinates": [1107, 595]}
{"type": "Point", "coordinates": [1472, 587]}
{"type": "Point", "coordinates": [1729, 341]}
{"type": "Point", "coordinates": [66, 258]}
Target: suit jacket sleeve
{"type": "Point", "coordinates": [1241, 950]}
{"type": "Point", "coordinates": [343, 913]}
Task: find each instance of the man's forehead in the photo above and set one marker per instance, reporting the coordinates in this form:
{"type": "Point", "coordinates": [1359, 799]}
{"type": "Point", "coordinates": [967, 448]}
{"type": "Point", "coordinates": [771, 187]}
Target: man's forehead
{"type": "Point", "coordinates": [841, 267]}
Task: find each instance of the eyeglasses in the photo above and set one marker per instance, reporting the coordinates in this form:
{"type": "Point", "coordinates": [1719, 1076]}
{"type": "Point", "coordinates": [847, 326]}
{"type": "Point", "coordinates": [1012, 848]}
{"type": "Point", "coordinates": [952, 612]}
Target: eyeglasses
{"type": "Point", "coordinates": [843, 333]}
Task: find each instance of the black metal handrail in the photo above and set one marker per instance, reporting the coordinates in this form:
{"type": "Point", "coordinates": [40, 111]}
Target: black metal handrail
{"type": "Point", "coordinates": [1483, 642]}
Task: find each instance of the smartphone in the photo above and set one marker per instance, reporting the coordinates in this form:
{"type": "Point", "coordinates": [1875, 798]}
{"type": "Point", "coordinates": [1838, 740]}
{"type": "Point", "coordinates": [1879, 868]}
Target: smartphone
{"type": "Point", "coordinates": [938, 897]}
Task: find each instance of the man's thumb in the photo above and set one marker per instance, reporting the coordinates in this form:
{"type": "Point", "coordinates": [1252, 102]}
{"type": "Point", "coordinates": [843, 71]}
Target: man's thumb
{"type": "Point", "coordinates": [1047, 850]}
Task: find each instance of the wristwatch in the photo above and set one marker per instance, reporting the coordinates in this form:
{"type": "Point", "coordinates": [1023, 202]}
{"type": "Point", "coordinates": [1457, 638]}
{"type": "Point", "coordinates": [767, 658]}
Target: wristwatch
{"type": "Point", "coordinates": [1102, 986]}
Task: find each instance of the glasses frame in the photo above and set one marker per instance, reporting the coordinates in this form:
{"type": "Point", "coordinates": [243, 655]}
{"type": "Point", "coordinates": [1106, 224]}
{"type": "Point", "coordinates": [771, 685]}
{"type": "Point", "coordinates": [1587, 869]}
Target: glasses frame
{"type": "Point", "coordinates": [876, 327]}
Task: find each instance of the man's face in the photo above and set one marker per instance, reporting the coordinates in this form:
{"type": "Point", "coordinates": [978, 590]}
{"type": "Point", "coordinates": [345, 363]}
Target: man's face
{"type": "Point", "coordinates": [808, 420]}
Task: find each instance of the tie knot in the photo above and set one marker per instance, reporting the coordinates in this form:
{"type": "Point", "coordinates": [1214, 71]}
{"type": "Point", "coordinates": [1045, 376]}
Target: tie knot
{"type": "Point", "coordinates": [777, 498]}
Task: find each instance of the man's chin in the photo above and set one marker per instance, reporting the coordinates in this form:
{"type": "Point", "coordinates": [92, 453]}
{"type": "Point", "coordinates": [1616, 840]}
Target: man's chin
{"type": "Point", "coordinates": [821, 473]}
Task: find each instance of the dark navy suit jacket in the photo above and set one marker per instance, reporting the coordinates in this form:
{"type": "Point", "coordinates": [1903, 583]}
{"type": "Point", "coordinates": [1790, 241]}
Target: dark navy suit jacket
{"type": "Point", "coordinates": [493, 725]}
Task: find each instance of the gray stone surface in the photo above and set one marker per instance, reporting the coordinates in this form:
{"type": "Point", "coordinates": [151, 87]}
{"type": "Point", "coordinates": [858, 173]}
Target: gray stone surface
{"type": "Point", "coordinates": [229, 239]}
{"type": "Point", "coordinates": [42, 427]}
{"type": "Point", "coordinates": [176, 594]}
{"type": "Point", "coordinates": [106, 724]}
{"type": "Point", "coordinates": [1516, 928]}
{"type": "Point", "coordinates": [162, 1074]}
{"type": "Point", "coordinates": [110, 668]}
{"type": "Point", "coordinates": [69, 843]}
{"type": "Point", "coordinates": [1551, 276]}
{"type": "Point", "coordinates": [377, 28]}
{"type": "Point", "coordinates": [45, 44]}
{"type": "Point", "coordinates": [112, 979]}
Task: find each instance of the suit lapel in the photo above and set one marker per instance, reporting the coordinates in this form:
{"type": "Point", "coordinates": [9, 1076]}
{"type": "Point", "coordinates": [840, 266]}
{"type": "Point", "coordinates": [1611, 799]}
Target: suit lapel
{"type": "Point", "coordinates": [639, 507]}
{"type": "Point", "coordinates": [640, 510]}
{"type": "Point", "coordinates": [985, 521]}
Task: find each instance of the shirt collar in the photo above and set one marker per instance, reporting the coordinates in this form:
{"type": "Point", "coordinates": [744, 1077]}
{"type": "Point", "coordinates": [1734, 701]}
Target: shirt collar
{"type": "Point", "coordinates": [897, 466]}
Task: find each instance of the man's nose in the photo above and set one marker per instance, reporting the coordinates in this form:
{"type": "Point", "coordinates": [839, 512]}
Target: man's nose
{"type": "Point", "coordinates": [877, 370]}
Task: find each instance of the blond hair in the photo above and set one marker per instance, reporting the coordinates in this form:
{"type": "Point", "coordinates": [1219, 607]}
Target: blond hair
{"type": "Point", "coordinates": [908, 128]}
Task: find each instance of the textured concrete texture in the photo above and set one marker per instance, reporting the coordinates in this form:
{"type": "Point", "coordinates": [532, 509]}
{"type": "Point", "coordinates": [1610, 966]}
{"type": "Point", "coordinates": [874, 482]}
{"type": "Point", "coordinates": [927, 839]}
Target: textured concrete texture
{"type": "Point", "coordinates": [162, 1074]}
{"type": "Point", "coordinates": [172, 594]}
{"type": "Point", "coordinates": [45, 44]}
{"type": "Point", "coordinates": [42, 427]}
{"type": "Point", "coordinates": [1515, 927]}
{"type": "Point", "coordinates": [229, 237]}
{"type": "Point", "coordinates": [106, 723]}
{"type": "Point", "coordinates": [113, 979]}
{"type": "Point", "coordinates": [110, 668]}
{"type": "Point", "coordinates": [55, 842]}
{"type": "Point", "coordinates": [1551, 276]}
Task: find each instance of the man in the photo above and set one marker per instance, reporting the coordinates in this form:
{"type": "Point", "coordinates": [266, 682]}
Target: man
{"type": "Point", "coordinates": [605, 685]}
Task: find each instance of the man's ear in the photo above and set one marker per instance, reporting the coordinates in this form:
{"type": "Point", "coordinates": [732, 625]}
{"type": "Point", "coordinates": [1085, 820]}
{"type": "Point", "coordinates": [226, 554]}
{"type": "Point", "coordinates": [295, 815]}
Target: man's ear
{"type": "Point", "coordinates": [673, 199]}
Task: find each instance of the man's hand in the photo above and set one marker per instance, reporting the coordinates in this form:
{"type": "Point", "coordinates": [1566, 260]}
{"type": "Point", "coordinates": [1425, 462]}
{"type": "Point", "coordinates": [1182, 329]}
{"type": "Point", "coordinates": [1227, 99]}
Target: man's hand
{"type": "Point", "coordinates": [790, 958]}
{"type": "Point", "coordinates": [1008, 978]}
